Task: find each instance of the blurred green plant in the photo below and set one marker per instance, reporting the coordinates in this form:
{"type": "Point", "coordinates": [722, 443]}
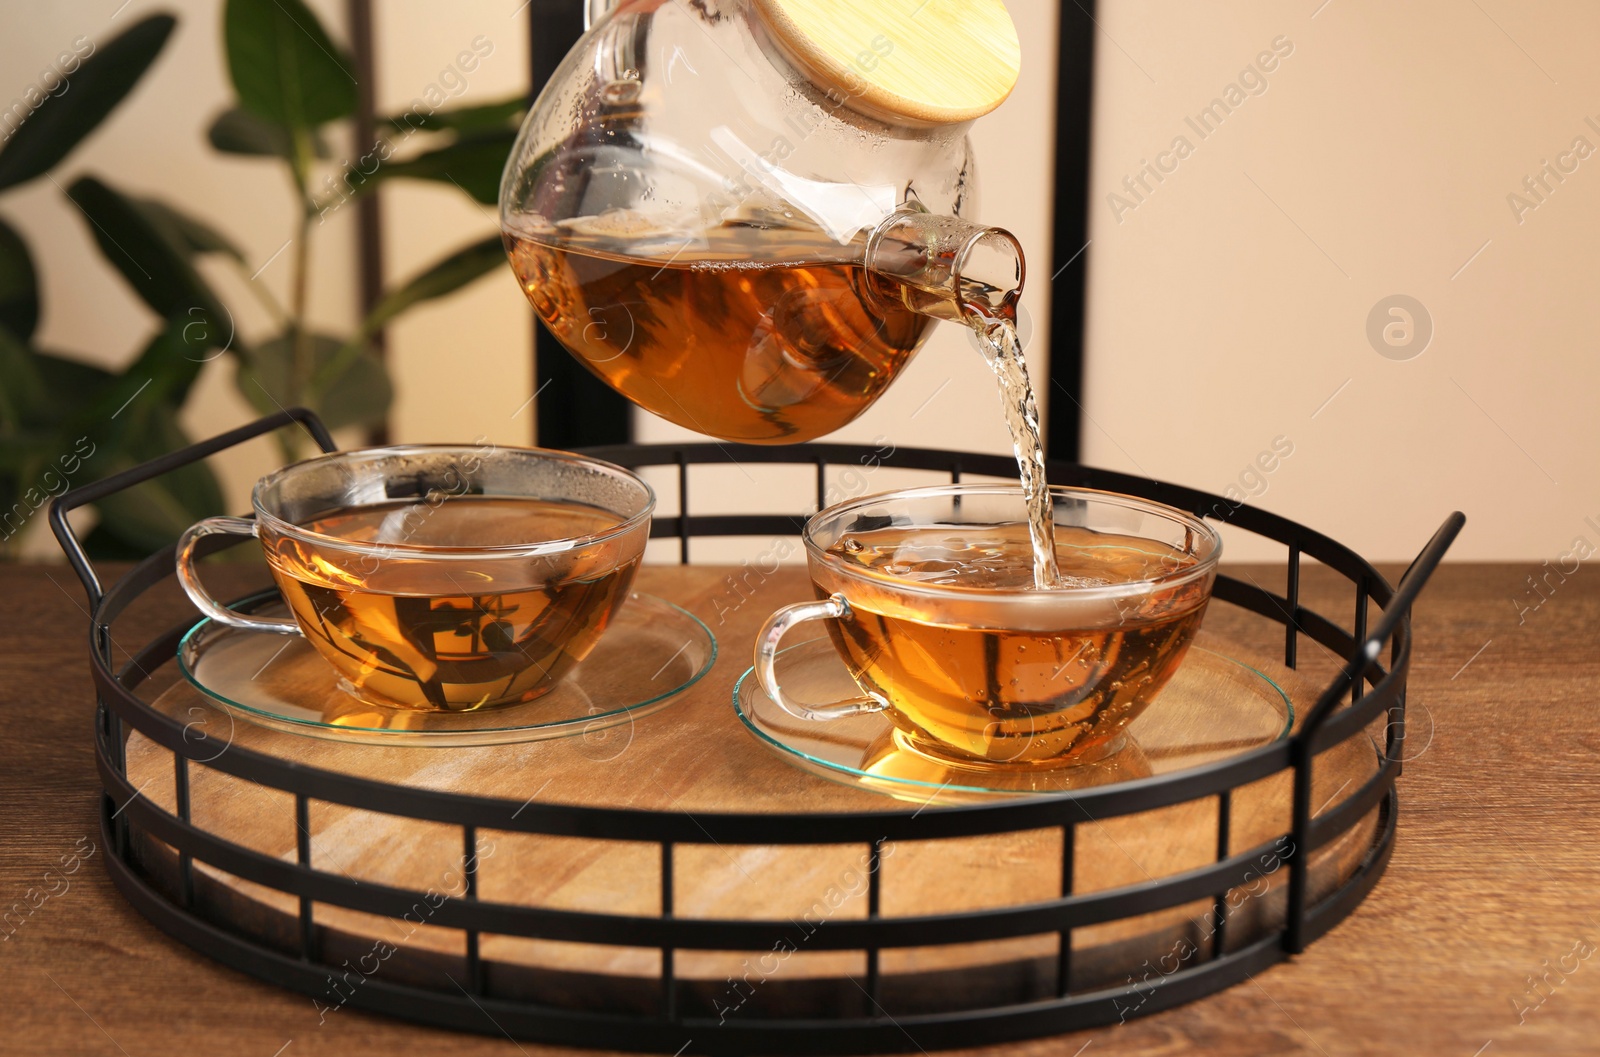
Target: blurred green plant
{"type": "Point", "coordinates": [64, 422]}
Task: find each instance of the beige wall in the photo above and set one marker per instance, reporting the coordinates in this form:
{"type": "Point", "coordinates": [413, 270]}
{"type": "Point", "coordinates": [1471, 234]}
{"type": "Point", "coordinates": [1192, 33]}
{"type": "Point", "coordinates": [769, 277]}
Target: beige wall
{"type": "Point", "coordinates": [464, 363]}
{"type": "Point", "coordinates": [1230, 304]}
{"type": "Point", "coordinates": [1226, 307]}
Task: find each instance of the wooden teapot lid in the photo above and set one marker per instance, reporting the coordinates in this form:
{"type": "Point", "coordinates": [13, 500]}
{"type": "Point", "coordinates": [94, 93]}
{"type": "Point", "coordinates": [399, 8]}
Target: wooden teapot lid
{"type": "Point", "coordinates": [929, 62]}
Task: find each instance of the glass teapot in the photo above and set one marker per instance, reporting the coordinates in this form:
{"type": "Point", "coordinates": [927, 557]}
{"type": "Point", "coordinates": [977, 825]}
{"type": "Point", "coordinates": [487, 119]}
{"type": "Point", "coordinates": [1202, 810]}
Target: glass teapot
{"type": "Point", "coordinates": [745, 215]}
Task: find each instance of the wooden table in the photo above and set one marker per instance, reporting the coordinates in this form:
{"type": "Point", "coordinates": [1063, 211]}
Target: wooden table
{"type": "Point", "coordinates": [1465, 948]}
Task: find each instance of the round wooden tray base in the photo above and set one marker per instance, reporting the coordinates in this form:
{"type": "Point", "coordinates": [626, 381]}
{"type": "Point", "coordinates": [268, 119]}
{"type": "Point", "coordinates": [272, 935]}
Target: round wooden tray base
{"type": "Point", "coordinates": [694, 756]}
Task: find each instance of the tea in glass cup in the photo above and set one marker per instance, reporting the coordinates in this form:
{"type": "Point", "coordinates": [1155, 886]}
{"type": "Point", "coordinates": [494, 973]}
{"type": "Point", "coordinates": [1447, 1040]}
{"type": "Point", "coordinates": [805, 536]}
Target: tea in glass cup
{"type": "Point", "coordinates": [930, 599]}
{"type": "Point", "coordinates": [443, 578]}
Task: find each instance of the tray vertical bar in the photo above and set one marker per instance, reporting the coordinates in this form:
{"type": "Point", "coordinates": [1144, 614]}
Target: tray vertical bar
{"type": "Point", "coordinates": [302, 848]}
{"type": "Point", "coordinates": [1291, 630]}
{"type": "Point", "coordinates": [1299, 855]}
{"type": "Point", "coordinates": [113, 732]}
{"type": "Point", "coordinates": [669, 978]}
{"type": "Point", "coordinates": [1358, 684]}
{"type": "Point", "coordinates": [1394, 747]}
{"type": "Point", "coordinates": [1069, 840]}
{"type": "Point", "coordinates": [469, 861]}
{"type": "Point", "coordinates": [955, 472]}
{"type": "Point", "coordinates": [1219, 904]}
{"type": "Point", "coordinates": [180, 792]}
{"type": "Point", "coordinates": [874, 904]}
{"type": "Point", "coordinates": [101, 642]}
{"type": "Point", "coordinates": [822, 482]}
{"type": "Point", "coordinates": [683, 509]}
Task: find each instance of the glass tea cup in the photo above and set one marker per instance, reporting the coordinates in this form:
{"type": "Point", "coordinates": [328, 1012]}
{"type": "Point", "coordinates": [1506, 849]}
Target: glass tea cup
{"type": "Point", "coordinates": [442, 577]}
{"type": "Point", "coordinates": [928, 597]}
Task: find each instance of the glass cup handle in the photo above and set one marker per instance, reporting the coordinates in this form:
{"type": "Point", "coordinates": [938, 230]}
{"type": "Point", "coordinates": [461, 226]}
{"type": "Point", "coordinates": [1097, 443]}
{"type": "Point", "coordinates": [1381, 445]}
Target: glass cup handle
{"type": "Point", "coordinates": [221, 526]}
{"type": "Point", "coordinates": [834, 607]}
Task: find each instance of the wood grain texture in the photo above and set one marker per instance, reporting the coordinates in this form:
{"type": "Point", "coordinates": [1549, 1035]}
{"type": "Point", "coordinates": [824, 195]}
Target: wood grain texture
{"type": "Point", "coordinates": [1494, 875]}
{"type": "Point", "coordinates": [919, 61]}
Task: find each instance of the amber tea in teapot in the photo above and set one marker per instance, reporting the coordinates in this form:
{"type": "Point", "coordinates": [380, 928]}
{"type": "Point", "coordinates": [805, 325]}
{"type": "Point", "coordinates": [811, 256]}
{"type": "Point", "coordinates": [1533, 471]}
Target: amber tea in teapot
{"type": "Point", "coordinates": [770, 351]}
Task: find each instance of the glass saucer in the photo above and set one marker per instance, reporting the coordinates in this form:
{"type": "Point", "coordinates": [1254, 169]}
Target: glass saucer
{"type": "Point", "coordinates": [1213, 708]}
{"type": "Point", "coordinates": [652, 652]}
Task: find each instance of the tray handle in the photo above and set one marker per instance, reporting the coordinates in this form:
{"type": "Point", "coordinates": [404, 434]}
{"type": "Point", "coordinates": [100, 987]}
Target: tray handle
{"type": "Point", "coordinates": [117, 482]}
{"type": "Point", "coordinates": [1366, 652]}
{"type": "Point", "coordinates": [1302, 746]}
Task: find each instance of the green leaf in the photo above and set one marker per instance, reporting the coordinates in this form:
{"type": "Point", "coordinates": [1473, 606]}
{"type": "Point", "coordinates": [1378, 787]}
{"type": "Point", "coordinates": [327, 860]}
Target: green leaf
{"type": "Point", "coordinates": [160, 375]}
{"type": "Point", "coordinates": [29, 477]}
{"type": "Point", "coordinates": [238, 131]}
{"type": "Point", "coordinates": [65, 374]}
{"type": "Point", "coordinates": [37, 450]}
{"type": "Point", "coordinates": [473, 163]}
{"type": "Point", "coordinates": [445, 277]}
{"type": "Point", "coordinates": [37, 397]}
{"type": "Point", "coordinates": [152, 515]}
{"type": "Point", "coordinates": [354, 392]}
{"type": "Point", "coordinates": [172, 361]}
{"type": "Point", "coordinates": [468, 119]}
{"type": "Point", "coordinates": [41, 450]}
{"type": "Point", "coordinates": [60, 120]}
{"type": "Point", "coordinates": [155, 265]}
{"type": "Point", "coordinates": [180, 229]}
{"type": "Point", "coordinates": [19, 285]}
{"type": "Point", "coordinates": [134, 418]}
{"type": "Point", "coordinates": [284, 66]}
{"type": "Point", "coordinates": [69, 388]}
{"type": "Point", "coordinates": [22, 456]}
{"type": "Point", "coordinates": [21, 385]}
{"type": "Point", "coordinates": [114, 408]}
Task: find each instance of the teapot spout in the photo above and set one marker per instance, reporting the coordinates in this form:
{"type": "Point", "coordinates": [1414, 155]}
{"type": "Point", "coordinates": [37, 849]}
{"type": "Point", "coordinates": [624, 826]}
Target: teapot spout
{"type": "Point", "coordinates": [946, 267]}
